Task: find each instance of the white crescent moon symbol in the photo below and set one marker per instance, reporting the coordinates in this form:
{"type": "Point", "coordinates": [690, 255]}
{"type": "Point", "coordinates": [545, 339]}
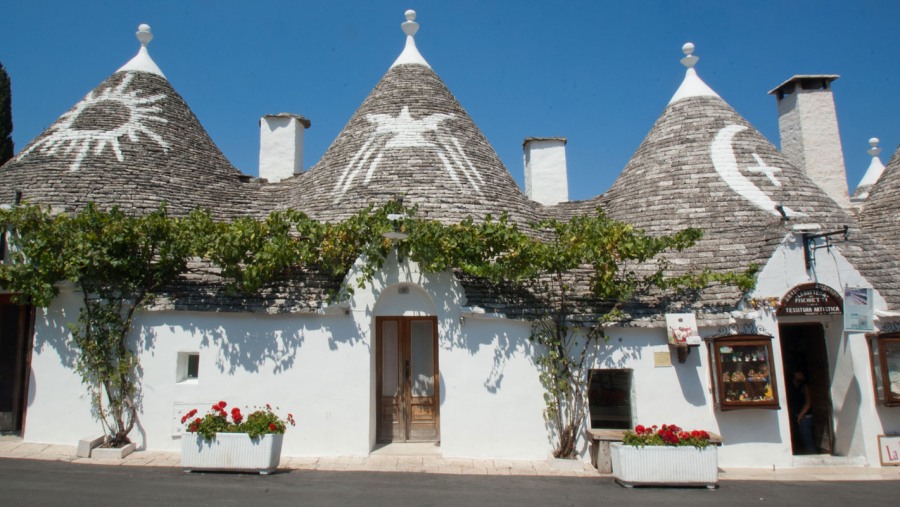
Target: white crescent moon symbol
{"type": "Point", "coordinates": [722, 153]}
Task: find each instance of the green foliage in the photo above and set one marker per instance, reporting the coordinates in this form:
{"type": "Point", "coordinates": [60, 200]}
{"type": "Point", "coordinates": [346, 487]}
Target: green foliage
{"type": "Point", "coordinates": [611, 251]}
{"type": "Point", "coordinates": [118, 263]}
{"type": "Point", "coordinates": [7, 148]}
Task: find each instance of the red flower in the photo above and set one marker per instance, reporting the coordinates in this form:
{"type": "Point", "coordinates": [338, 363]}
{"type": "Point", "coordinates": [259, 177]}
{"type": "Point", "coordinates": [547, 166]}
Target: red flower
{"type": "Point", "coordinates": [640, 429]}
{"type": "Point", "coordinates": [188, 415]}
{"type": "Point", "coordinates": [236, 415]}
{"type": "Point", "coordinates": [271, 426]}
{"type": "Point", "coordinates": [290, 419]}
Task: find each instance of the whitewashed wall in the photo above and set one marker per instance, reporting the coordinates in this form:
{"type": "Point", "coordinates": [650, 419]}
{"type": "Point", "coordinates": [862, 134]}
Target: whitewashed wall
{"type": "Point", "coordinates": [322, 369]}
{"type": "Point", "coordinates": [58, 406]}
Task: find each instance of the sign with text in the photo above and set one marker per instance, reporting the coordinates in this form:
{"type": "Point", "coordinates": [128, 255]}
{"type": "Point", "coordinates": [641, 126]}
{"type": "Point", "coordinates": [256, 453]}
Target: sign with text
{"type": "Point", "coordinates": [811, 299]}
{"type": "Point", "coordinates": [859, 310]}
{"type": "Point", "coordinates": [889, 449]}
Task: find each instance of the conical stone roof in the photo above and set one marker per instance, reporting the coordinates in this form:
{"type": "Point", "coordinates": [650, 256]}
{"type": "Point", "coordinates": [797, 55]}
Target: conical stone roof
{"type": "Point", "coordinates": [702, 165]}
{"type": "Point", "coordinates": [881, 210]}
{"type": "Point", "coordinates": [131, 142]}
{"type": "Point", "coordinates": [409, 138]}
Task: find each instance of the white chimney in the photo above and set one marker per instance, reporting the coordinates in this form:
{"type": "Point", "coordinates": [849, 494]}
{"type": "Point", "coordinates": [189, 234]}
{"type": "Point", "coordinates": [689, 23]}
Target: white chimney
{"type": "Point", "coordinates": [810, 139]}
{"type": "Point", "coordinates": [546, 181]}
{"type": "Point", "coordinates": [281, 145]}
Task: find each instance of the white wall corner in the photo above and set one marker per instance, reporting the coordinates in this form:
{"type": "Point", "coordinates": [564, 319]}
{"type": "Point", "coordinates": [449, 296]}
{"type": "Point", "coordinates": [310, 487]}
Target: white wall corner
{"type": "Point", "coordinates": [281, 145]}
{"type": "Point", "coordinates": [546, 179]}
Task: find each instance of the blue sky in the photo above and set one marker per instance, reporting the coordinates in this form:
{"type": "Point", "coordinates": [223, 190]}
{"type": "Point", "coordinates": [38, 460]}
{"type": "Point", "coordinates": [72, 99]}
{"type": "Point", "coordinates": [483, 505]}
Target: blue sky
{"type": "Point", "coordinates": [596, 72]}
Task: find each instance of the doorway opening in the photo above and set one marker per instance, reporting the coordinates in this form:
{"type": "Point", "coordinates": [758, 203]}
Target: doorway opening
{"type": "Point", "coordinates": [15, 332]}
{"type": "Point", "coordinates": [805, 360]}
{"type": "Point", "coordinates": [406, 358]}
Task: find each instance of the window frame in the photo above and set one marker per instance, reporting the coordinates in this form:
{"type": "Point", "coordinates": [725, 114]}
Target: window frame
{"type": "Point", "coordinates": [878, 364]}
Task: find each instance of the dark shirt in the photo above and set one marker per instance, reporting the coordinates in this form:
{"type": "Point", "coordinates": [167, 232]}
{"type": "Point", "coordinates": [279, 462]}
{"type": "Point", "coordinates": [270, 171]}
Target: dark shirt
{"type": "Point", "coordinates": [796, 397]}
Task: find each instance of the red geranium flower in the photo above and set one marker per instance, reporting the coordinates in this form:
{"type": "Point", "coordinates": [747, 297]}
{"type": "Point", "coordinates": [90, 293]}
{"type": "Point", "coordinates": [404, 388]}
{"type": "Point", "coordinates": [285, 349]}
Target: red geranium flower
{"type": "Point", "coordinates": [271, 426]}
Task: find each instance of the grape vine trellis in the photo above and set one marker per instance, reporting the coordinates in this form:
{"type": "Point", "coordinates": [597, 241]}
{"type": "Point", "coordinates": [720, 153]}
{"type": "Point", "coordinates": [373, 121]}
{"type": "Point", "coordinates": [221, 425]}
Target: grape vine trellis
{"type": "Point", "coordinates": [121, 263]}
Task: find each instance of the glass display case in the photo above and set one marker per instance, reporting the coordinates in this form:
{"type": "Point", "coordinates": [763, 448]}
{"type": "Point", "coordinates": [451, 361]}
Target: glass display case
{"type": "Point", "coordinates": [742, 371]}
{"type": "Point", "coordinates": [885, 353]}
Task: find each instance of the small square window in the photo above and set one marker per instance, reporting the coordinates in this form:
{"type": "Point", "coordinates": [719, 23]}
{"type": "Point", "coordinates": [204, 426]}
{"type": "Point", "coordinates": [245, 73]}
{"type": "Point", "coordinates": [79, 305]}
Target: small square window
{"type": "Point", "coordinates": [188, 368]}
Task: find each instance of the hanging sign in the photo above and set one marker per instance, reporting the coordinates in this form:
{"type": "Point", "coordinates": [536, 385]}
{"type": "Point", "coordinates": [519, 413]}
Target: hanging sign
{"type": "Point", "coordinates": [859, 310]}
{"type": "Point", "coordinates": [681, 329]}
{"type": "Point", "coordinates": [811, 299]}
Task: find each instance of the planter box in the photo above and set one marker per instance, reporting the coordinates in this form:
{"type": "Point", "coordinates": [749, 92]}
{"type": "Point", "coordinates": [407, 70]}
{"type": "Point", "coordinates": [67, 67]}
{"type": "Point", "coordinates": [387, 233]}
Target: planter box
{"type": "Point", "coordinates": [113, 452]}
{"type": "Point", "coordinates": [235, 452]}
{"type": "Point", "coordinates": [663, 465]}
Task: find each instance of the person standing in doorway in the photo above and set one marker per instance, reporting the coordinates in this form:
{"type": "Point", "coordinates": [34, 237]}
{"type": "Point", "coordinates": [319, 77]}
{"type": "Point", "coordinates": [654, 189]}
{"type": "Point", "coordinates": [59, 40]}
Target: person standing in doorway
{"type": "Point", "coordinates": [799, 404]}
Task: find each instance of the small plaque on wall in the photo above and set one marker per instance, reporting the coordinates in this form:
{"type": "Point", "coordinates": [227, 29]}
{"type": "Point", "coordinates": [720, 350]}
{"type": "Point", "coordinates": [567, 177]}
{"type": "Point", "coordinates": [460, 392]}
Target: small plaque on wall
{"type": "Point", "coordinates": [662, 359]}
{"type": "Point", "coordinates": [889, 449]}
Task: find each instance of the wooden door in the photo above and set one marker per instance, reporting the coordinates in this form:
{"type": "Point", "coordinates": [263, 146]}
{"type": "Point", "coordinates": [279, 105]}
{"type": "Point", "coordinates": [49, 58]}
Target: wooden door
{"type": "Point", "coordinates": [15, 330]}
{"type": "Point", "coordinates": [407, 386]}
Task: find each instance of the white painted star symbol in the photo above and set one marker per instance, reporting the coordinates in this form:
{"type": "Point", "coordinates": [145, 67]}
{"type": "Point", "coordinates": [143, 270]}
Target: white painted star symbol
{"type": "Point", "coordinates": [407, 132]}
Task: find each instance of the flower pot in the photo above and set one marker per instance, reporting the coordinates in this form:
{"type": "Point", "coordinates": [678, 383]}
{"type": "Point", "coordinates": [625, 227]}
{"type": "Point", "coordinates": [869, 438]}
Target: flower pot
{"type": "Point", "coordinates": [235, 452]}
{"type": "Point", "coordinates": [665, 465]}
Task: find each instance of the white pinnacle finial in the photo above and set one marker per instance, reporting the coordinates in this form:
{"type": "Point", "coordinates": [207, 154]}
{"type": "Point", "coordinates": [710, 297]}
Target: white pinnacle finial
{"type": "Point", "coordinates": [410, 27]}
{"type": "Point", "coordinates": [144, 35]}
{"type": "Point", "coordinates": [142, 61]}
{"type": "Point", "coordinates": [410, 54]}
{"type": "Point", "coordinates": [874, 150]}
{"type": "Point", "coordinates": [689, 59]}
{"type": "Point", "coordinates": [692, 86]}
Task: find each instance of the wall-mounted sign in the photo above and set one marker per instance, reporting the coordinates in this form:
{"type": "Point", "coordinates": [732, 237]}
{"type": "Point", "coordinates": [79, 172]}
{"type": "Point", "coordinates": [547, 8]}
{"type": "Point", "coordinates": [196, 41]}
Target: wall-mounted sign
{"type": "Point", "coordinates": [681, 329]}
{"type": "Point", "coordinates": [811, 299]}
{"type": "Point", "coordinates": [889, 449]}
{"type": "Point", "coordinates": [859, 311]}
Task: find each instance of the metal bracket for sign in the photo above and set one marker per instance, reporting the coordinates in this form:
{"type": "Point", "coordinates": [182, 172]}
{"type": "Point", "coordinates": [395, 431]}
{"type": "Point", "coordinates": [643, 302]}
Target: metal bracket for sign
{"type": "Point", "coordinates": [810, 246]}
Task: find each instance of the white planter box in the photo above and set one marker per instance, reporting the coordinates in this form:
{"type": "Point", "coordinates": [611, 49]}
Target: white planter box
{"type": "Point", "coordinates": [231, 452]}
{"type": "Point", "coordinates": [664, 465]}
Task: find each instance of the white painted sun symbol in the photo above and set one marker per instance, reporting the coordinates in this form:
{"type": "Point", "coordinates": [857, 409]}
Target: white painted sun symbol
{"type": "Point", "coordinates": [403, 131]}
{"type": "Point", "coordinates": [76, 131]}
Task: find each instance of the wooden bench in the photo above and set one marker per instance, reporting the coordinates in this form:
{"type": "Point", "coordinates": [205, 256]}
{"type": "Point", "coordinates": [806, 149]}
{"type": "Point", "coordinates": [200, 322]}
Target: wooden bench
{"type": "Point", "coordinates": [601, 458]}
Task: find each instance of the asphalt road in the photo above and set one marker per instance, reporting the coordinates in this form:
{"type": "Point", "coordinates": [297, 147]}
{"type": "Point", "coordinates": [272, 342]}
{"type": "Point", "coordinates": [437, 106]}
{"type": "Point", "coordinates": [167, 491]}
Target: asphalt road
{"type": "Point", "coordinates": [47, 483]}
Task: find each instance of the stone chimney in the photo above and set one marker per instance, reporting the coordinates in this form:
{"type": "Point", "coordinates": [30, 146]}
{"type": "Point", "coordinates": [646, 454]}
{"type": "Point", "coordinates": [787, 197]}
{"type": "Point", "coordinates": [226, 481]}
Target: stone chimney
{"type": "Point", "coordinates": [546, 181]}
{"type": "Point", "coordinates": [281, 145]}
{"type": "Point", "coordinates": [810, 139]}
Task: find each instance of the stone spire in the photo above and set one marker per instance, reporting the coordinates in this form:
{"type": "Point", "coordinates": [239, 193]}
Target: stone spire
{"type": "Point", "coordinates": [692, 86]}
{"type": "Point", "coordinates": [410, 54]}
{"type": "Point", "coordinates": [142, 61]}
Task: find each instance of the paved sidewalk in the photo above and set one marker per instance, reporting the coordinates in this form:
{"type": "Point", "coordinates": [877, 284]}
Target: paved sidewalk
{"type": "Point", "coordinates": [14, 447]}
